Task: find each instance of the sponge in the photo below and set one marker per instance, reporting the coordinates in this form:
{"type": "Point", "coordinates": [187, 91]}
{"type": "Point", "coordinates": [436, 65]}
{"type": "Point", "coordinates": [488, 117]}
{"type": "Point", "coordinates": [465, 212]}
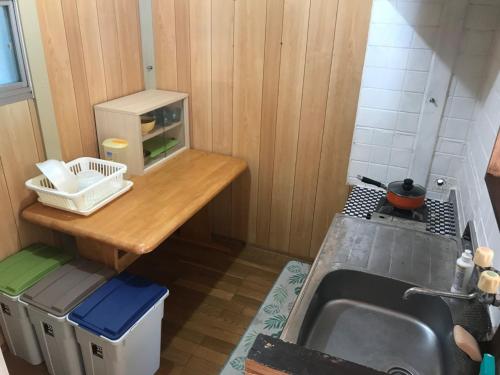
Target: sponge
{"type": "Point", "coordinates": [467, 343]}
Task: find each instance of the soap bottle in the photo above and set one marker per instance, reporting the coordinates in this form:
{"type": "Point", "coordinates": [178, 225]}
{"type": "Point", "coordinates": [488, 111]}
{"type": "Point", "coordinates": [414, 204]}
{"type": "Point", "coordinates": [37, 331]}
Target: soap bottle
{"type": "Point", "coordinates": [463, 272]}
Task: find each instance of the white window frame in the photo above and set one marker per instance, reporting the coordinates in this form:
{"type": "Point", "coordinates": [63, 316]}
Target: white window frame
{"type": "Point", "coordinates": [13, 92]}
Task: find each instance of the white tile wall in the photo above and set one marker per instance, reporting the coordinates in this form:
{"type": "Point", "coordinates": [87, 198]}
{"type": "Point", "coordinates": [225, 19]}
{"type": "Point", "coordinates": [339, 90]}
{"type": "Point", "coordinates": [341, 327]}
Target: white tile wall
{"type": "Point", "coordinates": [399, 55]}
{"type": "Point", "coordinates": [475, 202]}
{"type": "Point", "coordinates": [469, 73]}
{"type": "Point", "coordinates": [397, 63]}
{"type": "Point", "coordinates": [471, 123]}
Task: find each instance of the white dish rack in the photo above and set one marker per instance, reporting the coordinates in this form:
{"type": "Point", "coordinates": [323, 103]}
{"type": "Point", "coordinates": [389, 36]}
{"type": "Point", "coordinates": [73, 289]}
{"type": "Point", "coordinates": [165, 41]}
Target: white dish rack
{"type": "Point", "coordinates": [93, 197]}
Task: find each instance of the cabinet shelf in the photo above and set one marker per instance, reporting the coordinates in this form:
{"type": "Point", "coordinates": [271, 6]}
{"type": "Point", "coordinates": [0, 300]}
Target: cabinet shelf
{"type": "Point", "coordinates": [160, 130]}
{"type": "Point", "coordinates": [121, 118]}
{"type": "Point", "coordinates": [150, 163]}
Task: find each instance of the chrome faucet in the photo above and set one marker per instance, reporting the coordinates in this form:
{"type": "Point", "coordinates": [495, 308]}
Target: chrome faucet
{"type": "Point", "coordinates": [438, 293]}
{"type": "Point", "coordinates": [486, 291]}
{"type": "Point", "coordinates": [482, 297]}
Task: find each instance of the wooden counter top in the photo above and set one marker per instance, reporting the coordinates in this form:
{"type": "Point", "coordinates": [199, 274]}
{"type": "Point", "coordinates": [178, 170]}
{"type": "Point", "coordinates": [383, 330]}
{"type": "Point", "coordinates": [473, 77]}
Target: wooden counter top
{"type": "Point", "coordinates": [158, 204]}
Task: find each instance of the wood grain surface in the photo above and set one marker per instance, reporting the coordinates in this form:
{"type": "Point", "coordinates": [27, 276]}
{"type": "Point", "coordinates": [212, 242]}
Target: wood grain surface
{"type": "Point", "coordinates": [20, 149]}
{"type": "Point", "coordinates": [351, 32]}
{"type": "Point", "coordinates": [93, 54]}
{"type": "Point", "coordinates": [276, 83]}
{"type": "Point", "coordinates": [214, 295]}
{"type": "Point", "coordinates": [293, 56]}
{"type": "Point", "coordinates": [159, 203]}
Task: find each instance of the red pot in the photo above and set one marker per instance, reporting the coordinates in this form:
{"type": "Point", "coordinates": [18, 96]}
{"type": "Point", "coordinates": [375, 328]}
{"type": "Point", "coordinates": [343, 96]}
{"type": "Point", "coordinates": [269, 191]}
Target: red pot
{"type": "Point", "coordinates": [404, 195]}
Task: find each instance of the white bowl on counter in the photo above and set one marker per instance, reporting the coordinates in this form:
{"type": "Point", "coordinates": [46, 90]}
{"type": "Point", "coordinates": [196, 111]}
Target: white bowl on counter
{"type": "Point", "coordinates": [59, 175]}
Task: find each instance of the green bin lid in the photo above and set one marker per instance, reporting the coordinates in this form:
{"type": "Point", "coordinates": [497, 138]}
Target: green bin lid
{"type": "Point", "coordinates": [23, 269]}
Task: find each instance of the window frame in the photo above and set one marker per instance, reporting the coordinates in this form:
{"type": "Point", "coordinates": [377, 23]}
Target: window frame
{"type": "Point", "coordinates": [21, 90]}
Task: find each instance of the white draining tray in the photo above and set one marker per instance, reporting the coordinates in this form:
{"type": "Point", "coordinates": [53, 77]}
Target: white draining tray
{"type": "Point", "coordinates": [127, 185]}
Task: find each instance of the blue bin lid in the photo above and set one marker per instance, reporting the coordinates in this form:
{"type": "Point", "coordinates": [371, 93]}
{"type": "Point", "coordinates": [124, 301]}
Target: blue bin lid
{"type": "Point", "coordinates": [117, 305]}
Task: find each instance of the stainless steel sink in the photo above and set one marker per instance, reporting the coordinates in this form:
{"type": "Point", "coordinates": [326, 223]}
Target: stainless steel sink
{"type": "Point", "coordinates": [362, 318]}
{"type": "Point", "coordinates": [351, 304]}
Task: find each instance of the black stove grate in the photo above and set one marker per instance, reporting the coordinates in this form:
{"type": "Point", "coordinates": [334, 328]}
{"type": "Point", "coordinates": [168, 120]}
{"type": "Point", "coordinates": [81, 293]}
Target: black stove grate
{"type": "Point", "coordinates": [440, 215]}
{"type": "Point", "coordinates": [419, 215]}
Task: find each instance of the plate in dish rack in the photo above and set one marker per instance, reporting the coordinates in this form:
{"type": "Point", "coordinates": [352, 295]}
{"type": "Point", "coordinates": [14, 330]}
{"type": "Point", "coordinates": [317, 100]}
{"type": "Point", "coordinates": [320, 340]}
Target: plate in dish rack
{"type": "Point", "coordinates": [127, 185]}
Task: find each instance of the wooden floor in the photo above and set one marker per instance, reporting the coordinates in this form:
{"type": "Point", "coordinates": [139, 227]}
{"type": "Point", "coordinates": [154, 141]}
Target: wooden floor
{"type": "Point", "coordinates": [214, 294]}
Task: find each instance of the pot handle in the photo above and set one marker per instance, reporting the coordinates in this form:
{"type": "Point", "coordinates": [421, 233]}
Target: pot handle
{"type": "Point", "coordinates": [368, 180]}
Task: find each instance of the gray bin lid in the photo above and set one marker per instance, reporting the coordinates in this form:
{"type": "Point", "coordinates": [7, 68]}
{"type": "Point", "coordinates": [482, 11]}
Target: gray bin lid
{"type": "Point", "coordinates": [60, 291]}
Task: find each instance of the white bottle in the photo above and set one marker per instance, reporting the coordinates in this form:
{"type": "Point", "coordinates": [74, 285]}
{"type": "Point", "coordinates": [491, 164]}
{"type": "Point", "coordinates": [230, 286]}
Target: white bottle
{"type": "Point", "coordinates": [463, 272]}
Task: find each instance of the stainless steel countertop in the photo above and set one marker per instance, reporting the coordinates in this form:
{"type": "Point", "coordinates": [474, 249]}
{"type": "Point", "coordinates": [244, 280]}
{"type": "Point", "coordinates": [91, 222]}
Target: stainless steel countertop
{"type": "Point", "coordinates": [415, 257]}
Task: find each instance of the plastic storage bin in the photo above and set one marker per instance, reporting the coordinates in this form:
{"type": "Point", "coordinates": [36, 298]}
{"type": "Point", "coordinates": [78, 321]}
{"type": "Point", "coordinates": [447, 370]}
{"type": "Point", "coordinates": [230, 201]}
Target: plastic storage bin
{"type": "Point", "coordinates": [50, 300]}
{"type": "Point", "coordinates": [83, 201]}
{"type": "Point", "coordinates": [118, 327]}
{"type": "Point", "coordinates": [18, 273]}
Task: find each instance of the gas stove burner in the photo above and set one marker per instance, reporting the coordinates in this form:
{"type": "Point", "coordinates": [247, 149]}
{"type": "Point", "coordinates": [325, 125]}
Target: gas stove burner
{"type": "Point", "coordinates": [363, 202]}
{"type": "Point", "coordinates": [385, 212]}
{"type": "Point", "coordinates": [386, 208]}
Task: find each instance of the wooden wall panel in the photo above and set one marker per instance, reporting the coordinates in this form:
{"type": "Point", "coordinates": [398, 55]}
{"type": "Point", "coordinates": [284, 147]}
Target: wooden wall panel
{"type": "Point", "coordinates": [93, 54]}
{"type": "Point", "coordinates": [275, 82]}
{"type": "Point", "coordinates": [293, 53]}
{"type": "Point", "coordinates": [183, 50]}
{"type": "Point", "coordinates": [129, 38]}
{"type": "Point", "coordinates": [312, 120]}
{"type": "Point", "coordinates": [19, 154]}
{"type": "Point", "coordinates": [85, 113]}
{"type": "Point", "coordinates": [19, 151]}
{"type": "Point", "coordinates": [201, 69]}
{"type": "Point", "coordinates": [8, 228]}
{"type": "Point", "coordinates": [183, 46]}
{"type": "Point", "coordinates": [165, 43]}
{"type": "Point", "coordinates": [349, 51]}
{"type": "Point", "coordinates": [106, 15]}
{"type": "Point", "coordinates": [222, 103]}
{"type": "Point", "coordinates": [61, 78]}
{"type": "Point", "coordinates": [249, 40]}
{"type": "Point", "coordinates": [37, 131]}
{"type": "Point", "coordinates": [92, 50]}
{"type": "Point", "coordinates": [272, 59]}
{"type": "Point", "coordinates": [222, 75]}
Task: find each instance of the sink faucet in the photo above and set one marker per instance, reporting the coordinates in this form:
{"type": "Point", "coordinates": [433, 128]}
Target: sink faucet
{"type": "Point", "coordinates": [438, 293]}
{"type": "Point", "coordinates": [486, 292]}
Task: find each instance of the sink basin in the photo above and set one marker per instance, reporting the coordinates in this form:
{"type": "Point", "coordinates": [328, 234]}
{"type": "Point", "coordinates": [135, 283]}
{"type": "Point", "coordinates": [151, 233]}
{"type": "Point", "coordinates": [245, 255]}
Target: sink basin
{"type": "Point", "coordinates": [362, 318]}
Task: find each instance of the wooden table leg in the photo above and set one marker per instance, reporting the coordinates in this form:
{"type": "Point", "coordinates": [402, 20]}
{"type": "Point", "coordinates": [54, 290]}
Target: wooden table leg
{"type": "Point", "coordinates": [102, 253]}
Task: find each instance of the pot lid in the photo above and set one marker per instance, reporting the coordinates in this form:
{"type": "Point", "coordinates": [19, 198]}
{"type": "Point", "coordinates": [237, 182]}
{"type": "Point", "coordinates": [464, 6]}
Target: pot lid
{"type": "Point", "coordinates": [406, 188]}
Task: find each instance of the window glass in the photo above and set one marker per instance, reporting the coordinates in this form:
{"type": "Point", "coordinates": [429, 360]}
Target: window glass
{"type": "Point", "coordinates": [9, 69]}
{"type": "Point", "coordinates": [14, 76]}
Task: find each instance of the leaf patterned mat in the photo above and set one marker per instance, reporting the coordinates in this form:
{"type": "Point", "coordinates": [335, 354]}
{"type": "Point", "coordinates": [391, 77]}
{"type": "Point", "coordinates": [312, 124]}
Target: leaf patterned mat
{"type": "Point", "coordinates": [272, 315]}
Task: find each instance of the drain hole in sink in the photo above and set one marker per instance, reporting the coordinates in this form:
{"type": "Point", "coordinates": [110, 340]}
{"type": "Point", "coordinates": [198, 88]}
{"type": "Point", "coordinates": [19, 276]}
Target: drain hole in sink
{"type": "Point", "coordinates": [398, 371]}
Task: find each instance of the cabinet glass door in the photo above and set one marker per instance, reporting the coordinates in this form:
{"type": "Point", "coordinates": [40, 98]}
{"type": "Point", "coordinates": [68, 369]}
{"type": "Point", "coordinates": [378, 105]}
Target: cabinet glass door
{"type": "Point", "coordinates": [162, 132]}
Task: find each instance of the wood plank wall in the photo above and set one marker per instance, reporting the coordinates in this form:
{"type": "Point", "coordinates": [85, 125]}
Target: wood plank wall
{"type": "Point", "coordinates": [20, 148]}
{"type": "Point", "coordinates": [275, 82]}
{"type": "Point", "coordinates": [93, 54]}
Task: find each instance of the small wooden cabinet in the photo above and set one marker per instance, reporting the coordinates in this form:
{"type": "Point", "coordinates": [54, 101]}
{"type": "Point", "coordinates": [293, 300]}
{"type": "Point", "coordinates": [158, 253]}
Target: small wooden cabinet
{"type": "Point", "coordinates": [122, 117]}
